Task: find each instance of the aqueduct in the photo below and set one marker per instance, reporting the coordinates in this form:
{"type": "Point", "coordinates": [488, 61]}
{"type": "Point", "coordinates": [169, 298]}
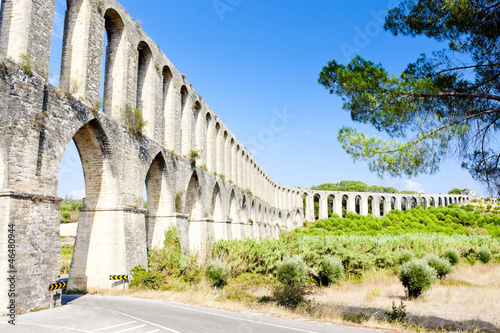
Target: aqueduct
{"type": "Point", "coordinates": [223, 194]}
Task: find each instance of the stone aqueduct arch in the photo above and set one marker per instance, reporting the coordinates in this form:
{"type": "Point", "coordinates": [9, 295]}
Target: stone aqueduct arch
{"type": "Point", "coordinates": [225, 195]}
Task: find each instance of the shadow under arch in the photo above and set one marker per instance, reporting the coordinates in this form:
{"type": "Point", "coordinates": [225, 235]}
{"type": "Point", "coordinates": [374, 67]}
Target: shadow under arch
{"type": "Point", "coordinates": [160, 208]}
{"type": "Point", "coordinates": [193, 206]}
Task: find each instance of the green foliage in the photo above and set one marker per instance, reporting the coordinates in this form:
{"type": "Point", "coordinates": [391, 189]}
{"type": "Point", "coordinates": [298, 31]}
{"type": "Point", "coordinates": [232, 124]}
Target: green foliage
{"type": "Point", "coordinates": [193, 156]}
{"type": "Point", "coordinates": [455, 191]}
{"type": "Point", "coordinates": [292, 271]}
{"type": "Point", "coordinates": [398, 313]}
{"type": "Point", "coordinates": [134, 121]}
{"type": "Point", "coordinates": [167, 265]}
{"type": "Point", "coordinates": [442, 266]}
{"type": "Point", "coordinates": [451, 220]}
{"type": "Point", "coordinates": [404, 256]}
{"type": "Point", "coordinates": [289, 296]}
{"type": "Point", "coordinates": [144, 279]}
{"type": "Point", "coordinates": [178, 201]}
{"type": "Point", "coordinates": [358, 253]}
{"type": "Point", "coordinates": [452, 256]}
{"type": "Point", "coordinates": [416, 276]}
{"type": "Point", "coordinates": [357, 186]}
{"type": "Point", "coordinates": [437, 103]}
{"type": "Point", "coordinates": [66, 256]}
{"type": "Point", "coordinates": [69, 209]}
{"type": "Point", "coordinates": [218, 273]}
{"type": "Point", "coordinates": [331, 270]}
{"type": "Point", "coordinates": [484, 255]}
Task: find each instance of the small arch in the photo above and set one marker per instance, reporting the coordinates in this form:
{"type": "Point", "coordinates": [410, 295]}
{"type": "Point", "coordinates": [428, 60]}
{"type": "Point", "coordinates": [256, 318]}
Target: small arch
{"type": "Point", "coordinates": [146, 85]}
{"type": "Point", "coordinates": [345, 199]}
{"type": "Point", "coordinates": [316, 199]}
{"type": "Point", "coordinates": [217, 213]}
{"type": "Point", "coordinates": [357, 204]}
{"type": "Point", "coordinates": [115, 64]}
{"type": "Point", "coordinates": [413, 202]}
{"type": "Point", "coordinates": [193, 204]}
{"type": "Point", "coordinates": [382, 206]}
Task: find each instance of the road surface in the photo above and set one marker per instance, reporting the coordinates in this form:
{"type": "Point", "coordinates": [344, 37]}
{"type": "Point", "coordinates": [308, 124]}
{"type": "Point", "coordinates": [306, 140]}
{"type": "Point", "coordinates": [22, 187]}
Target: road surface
{"type": "Point", "coordinates": [117, 314]}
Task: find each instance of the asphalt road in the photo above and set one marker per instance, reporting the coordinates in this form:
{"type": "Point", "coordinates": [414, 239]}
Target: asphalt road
{"type": "Point", "coordinates": [116, 314]}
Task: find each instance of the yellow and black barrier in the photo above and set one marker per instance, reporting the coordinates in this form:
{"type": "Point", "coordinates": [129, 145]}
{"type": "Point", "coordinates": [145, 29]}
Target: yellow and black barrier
{"type": "Point", "coordinates": [118, 277]}
{"type": "Point", "coordinates": [58, 285]}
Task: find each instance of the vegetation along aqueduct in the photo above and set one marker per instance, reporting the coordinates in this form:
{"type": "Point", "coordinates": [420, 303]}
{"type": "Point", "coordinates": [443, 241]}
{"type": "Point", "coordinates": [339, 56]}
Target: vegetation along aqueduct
{"type": "Point", "coordinates": [198, 176]}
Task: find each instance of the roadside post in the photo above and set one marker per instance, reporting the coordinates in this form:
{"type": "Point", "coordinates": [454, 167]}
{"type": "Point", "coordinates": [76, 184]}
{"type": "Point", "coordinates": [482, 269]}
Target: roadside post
{"type": "Point", "coordinates": [122, 278]}
{"type": "Point", "coordinates": [55, 296]}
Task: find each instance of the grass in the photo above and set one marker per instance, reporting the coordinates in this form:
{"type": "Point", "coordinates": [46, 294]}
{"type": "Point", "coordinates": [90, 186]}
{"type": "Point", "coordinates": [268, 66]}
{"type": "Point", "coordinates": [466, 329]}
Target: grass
{"type": "Point", "coordinates": [66, 255]}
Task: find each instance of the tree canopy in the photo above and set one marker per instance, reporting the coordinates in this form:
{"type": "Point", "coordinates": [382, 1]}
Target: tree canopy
{"type": "Point", "coordinates": [357, 186]}
{"type": "Point", "coordinates": [455, 191]}
{"type": "Point", "coordinates": [446, 104]}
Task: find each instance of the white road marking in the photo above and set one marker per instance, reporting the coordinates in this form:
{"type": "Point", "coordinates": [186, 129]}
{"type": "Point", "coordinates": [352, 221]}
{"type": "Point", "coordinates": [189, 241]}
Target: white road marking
{"type": "Point", "coordinates": [131, 328]}
{"type": "Point", "coordinates": [153, 331]}
{"type": "Point", "coordinates": [235, 318]}
{"type": "Point", "coordinates": [132, 317]}
{"type": "Point", "coordinates": [114, 326]}
{"type": "Point", "coordinates": [52, 327]}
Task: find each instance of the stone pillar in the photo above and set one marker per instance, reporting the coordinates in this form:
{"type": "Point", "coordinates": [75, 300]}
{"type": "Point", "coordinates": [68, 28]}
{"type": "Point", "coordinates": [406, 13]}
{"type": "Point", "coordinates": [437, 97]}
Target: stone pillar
{"type": "Point", "coordinates": [323, 207]}
{"type": "Point", "coordinates": [376, 205]}
{"type": "Point", "coordinates": [310, 208]}
{"type": "Point", "coordinates": [157, 226]}
{"type": "Point", "coordinates": [387, 205]}
{"type": "Point", "coordinates": [30, 242]}
{"type": "Point", "coordinates": [337, 205]}
{"type": "Point", "coordinates": [351, 204]}
{"type": "Point", "coordinates": [200, 235]}
{"type": "Point", "coordinates": [101, 248]}
{"type": "Point", "coordinates": [397, 203]}
{"type": "Point", "coordinates": [363, 205]}
{"type": "Point", "coordinates": [26, 32]}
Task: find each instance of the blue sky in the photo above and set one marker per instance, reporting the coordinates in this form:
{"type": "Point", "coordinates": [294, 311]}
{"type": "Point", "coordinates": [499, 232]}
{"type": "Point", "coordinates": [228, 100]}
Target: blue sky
{"type": "Point", "coordinates": [255, 60]}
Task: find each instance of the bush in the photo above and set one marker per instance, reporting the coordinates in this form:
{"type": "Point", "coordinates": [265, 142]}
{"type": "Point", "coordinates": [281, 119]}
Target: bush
{"type": "Point", "coordinates": [404, 256]}
{"type": "Point", "coordinates": [331, 270]}
{"type": "Point", "coordinates": [452, 256]}
{"type": "Point", "coordinates": [217, 272]}
{"type": "Point", "coordinates": [442, 267]}
{"type": "Point", "coordinates": [143, 278]}
{"type": "Point", "coordinates": [484, 255]}
{"type": "Point", "coordinates": [292, 271]}
{"type": "Point", "coordinates": [416, 276]}
{"type": "Point", "coordinates": [289, 296]}
{"type": "Point", "coordinates": [398, 313]}
{"type": "Point", "coordinates": [134, 121]}
{"type": "Point", "coordinates": [66, 214]}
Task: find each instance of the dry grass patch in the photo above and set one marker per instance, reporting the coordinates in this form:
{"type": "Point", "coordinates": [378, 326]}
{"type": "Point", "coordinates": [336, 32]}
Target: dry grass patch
{"type": "Point", "coordinates": [469, 298]}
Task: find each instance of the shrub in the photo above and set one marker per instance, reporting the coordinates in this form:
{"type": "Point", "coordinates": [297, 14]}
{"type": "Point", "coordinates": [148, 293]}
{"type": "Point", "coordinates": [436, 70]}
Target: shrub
{"type": "Point", "coordinates": [292, 271]}
{"type": "Point", "coordinates": [217, 272]}
{"type": "Point", "coordinates": [442, 267]}
{"type": "Point", "coordinates": [484, 255]}
{"type": "Point", "coordinates": [452, 256]}
{"type": "Point", "coordinates": [331, 270]}
{"type": "Point", "coordinates": [134, 121]}
{"type": "Point", "coordinates": [404, 256]}
{"type": "Point", "coordinates": [416, 276]}
{"type": "Point", "coordinates": [143, 278]}
{"type": "Point", "coordinates": [398, 313]}
{"type": "Point", "coordinates": [289, 296]}
{"type": "Point", "coordinates": [66, 214]}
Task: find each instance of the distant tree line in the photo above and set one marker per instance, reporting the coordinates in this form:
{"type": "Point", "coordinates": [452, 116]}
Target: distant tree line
{"type": "Point", "coordinates": [357, 186]}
